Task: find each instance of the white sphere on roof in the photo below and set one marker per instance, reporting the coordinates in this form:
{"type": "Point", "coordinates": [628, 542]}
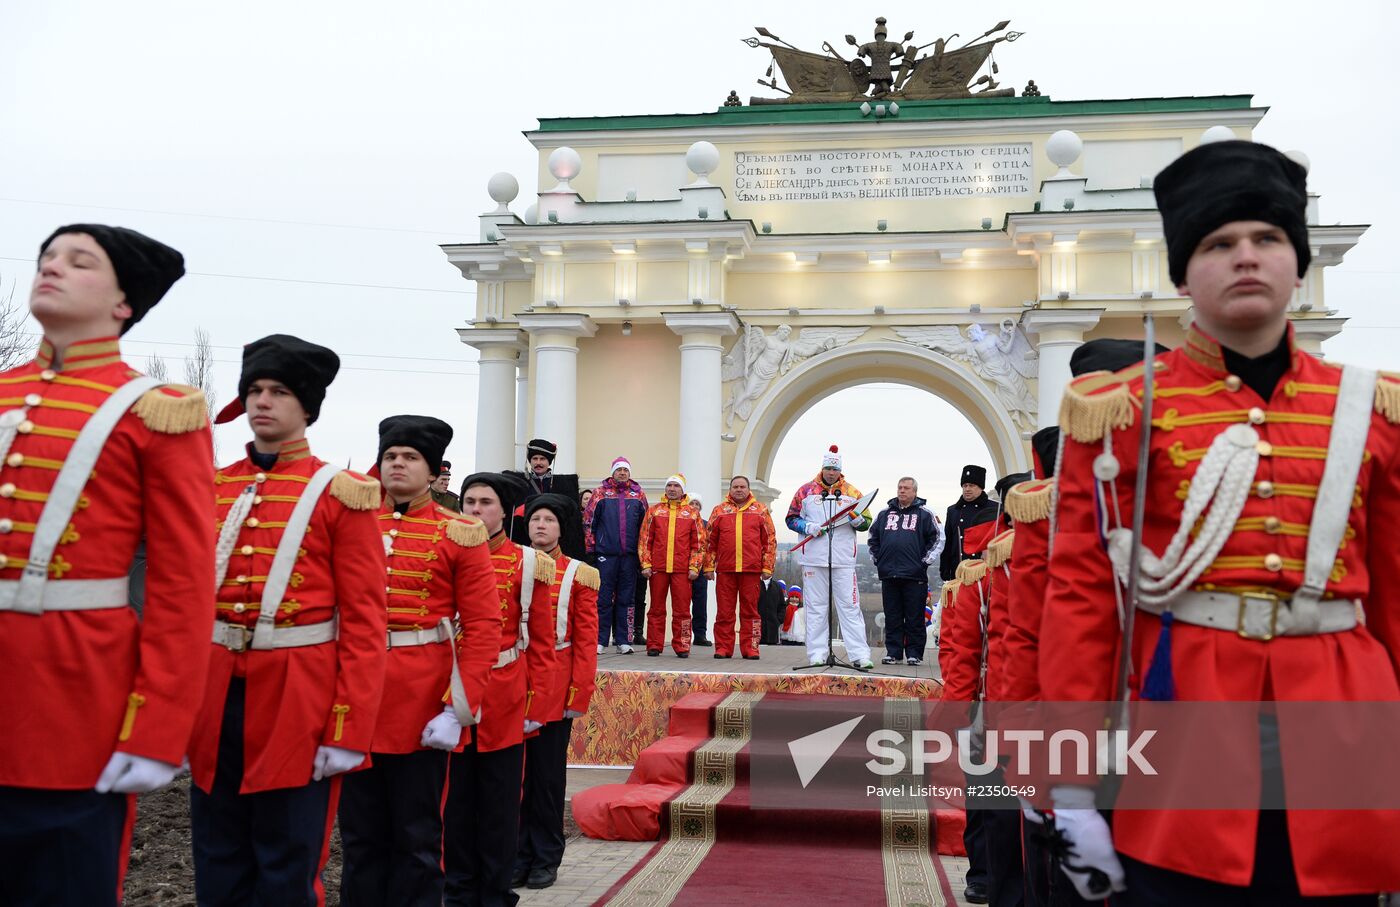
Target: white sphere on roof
{"type": "Point", "coordinates": [565, 164]}
{"type": "Point", "coordinates": [1218, 134]}
{"type": "Point", "coordinates": [532, 213]}
{"type": "Point", "coordinates": [503, 188]}
{"type": "Point", "coordinates": [702, 158]}
{"type": "Point", "coordinates": [1063, 148]}
{"type": "Point", "coordinates": [1299, 158]}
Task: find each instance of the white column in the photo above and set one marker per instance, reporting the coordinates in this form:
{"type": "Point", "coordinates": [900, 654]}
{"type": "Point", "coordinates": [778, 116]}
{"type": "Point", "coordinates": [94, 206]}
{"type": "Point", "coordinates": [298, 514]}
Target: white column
{"type": "Point", "coordinates": [500, 348]}
{"type": "Point", "coordinates": [522, 408]}
{"type": "Point", "coordinates": [1309, 333]}
{"type": "Point", "coordinates": [555, 339]}
{"type": "Point", "coordinates": [1060, 331]}
{"type": "Point", "coordinates": [700, 399]}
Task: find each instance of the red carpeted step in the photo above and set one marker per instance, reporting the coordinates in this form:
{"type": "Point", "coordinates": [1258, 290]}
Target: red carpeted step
{"type": "Point", "coordinates": [691, 715]}
{"type": "Point", "coordinates": [623, 812]}
{"type": "Point", "coordinates": [667, 761]}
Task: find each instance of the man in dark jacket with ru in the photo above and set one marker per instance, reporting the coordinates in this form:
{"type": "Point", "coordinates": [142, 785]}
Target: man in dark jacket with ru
{"type": "Point", "coordinates": [904, 541]}
{"type": "Point", "coordinates": [972, 509]}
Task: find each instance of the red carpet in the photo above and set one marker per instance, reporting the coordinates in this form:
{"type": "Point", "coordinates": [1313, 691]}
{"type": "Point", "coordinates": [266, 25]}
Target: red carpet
{"type": "Point", "coordinates": [691, 789]}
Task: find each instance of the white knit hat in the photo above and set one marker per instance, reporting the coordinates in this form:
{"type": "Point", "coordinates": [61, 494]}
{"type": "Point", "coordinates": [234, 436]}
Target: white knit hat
{"type": "Point", "coordinates": [679, 479]}
{"type": "Point", "coordinates": [831, 459]}
{"type": "Point", "coordinates": [620, 463]}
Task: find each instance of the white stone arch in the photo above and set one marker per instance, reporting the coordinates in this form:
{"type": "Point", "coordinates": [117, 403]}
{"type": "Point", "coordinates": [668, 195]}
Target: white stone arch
{"type": "Point", "coordinates": [877, 362]}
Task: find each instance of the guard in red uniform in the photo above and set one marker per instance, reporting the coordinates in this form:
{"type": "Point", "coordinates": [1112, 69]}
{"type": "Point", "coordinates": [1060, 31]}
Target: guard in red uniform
{"type": "Point", "coordinates": [739, 556]}
{"type": "Point", "coordinates": [297, 661]}
{"type": "Point", "coordinates": [482, 820]}
{"type": "Point", "coordinates": [1294, 463]}
{"type": "Point", "coordinates": [444, 633]}
{"type": "Point", "coordinates": [95, 458]}
{"type": "Point", "coordinates": [672, 547]}
{"type": "Point", "coordinates": [574, 605]}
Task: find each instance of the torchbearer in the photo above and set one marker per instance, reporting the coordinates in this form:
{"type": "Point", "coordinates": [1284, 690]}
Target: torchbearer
{"type": "Point", "coordinates": [739, 553]}
{"type": "Point", "coordinates": [672, 547]}
{"type": "Point", "coordinates": [574, 604]}
{"type": "Point", "coordinates": [829, 562]}
{"type": "Point", "coordinates": [296, 666]}
{"type": "Point", "coordinates": [1274, 496]}
{"type": "Point", "coordinates": [98, 698]}
{"type": "Point", "coordinates": [444, 635]}
{"type": "Point", "coordinates": [482, 819]}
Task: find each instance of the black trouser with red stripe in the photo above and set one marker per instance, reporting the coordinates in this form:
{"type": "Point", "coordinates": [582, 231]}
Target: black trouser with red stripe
{"type": "Point", "coordinates": [542, 807]}
{"type": "Point", "coordinates": [262, 848]}
{"type": "Point", "coordinates": [391, 830]}
{"type": "Point", "coordinates": [481, 825]}
{"type": "Point", "coordinates": [65, 848]}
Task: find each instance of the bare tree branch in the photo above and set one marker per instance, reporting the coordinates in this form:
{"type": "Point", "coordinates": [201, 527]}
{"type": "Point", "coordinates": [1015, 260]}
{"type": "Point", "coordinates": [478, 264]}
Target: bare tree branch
{"type": "Point", "coordinates": [199, 368]}
{"type": "Point", "coordinates": [157, 368]}
{"type": "Point", "coordinates": [16, 344]}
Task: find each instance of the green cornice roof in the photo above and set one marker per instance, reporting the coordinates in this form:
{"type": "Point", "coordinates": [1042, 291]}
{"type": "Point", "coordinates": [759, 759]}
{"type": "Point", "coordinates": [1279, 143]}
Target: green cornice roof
{"type": "Point", "coordinates": [849, 112]}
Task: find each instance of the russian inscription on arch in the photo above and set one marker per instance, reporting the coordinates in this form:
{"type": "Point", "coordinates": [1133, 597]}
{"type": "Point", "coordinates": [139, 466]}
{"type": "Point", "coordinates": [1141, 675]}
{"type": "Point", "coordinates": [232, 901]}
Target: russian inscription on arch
{"type": "Point", "coordinates": [853, 174]}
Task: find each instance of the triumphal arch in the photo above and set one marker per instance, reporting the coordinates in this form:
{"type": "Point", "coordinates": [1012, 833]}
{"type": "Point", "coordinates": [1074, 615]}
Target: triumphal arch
{"type": "Point", "coordinates": [683, 286]}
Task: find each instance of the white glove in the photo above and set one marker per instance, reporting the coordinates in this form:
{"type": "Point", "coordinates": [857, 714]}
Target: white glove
{"type": "Point", "coordinates": [532, 726]}
{"type": "Point", "coordinates": [333, 760]}
{"type": "Point", "coordinates": [443, 732]}
{"type": "Point", "coordinates": [129, 774]}
{"type": "Point", "coordinates": [1091, 863]}
{"type": "Point", "coordinates": [815, 530]}
{"type": "Point", "coordinates": [572, 713]}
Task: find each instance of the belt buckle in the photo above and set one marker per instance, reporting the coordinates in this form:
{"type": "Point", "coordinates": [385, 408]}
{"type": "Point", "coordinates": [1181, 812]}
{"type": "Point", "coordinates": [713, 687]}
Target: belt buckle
{"type": "Point", "coordinates": [1274, 602]}
{"type": "Point", "coordinates": [244, 636]}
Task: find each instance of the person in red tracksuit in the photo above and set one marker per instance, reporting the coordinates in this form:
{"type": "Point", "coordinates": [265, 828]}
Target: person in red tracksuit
{"type": "Point", "coordinates": [482, 818]}
{"type": "Point", "coordinates": [672, 548]}
{"type": "Point", "coordinates": [442, 596]}
{"type": "Point", "coordinates": [574, 606]}
{"type": "Point", "coordinates": [100, 687]}
{"type": "Point", "coordinates": [739, 556]}
{"type": "Point", "coordinates": [296, 665]}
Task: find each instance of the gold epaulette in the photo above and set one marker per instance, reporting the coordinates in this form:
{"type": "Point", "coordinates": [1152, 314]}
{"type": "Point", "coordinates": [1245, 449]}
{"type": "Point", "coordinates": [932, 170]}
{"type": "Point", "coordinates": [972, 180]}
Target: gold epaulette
{"type": "Point", "coordinates": [999, 550]}
{"type": "Point", "coordinates": [972, 572]}
{"type": "Point", "coordinates": [544, 567]}
{"type": "Point", "coordinates": [448, 512]}
{"type": "Point", "coordinates": [1095, 404]}
{"type": "Point", "coordinates": [356, 491]}
{"type": "Point", "coordinates": [1388, 396]}
{"type": "Point", "coordinates": [172, 409]}
{"type": "Point", "coordinates": [1030, 501]}
{"type": "Point", "coordinates": [467, 532]}
{"type": "Point", "coordinates": [588, 577]}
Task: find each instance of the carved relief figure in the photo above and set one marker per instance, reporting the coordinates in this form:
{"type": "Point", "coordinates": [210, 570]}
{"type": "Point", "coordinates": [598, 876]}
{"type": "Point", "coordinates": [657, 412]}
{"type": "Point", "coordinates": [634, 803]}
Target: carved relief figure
{"type": "Point", "coordinates": [1004, 360]}
{"type": "Point", "coordinates": [756, 359]}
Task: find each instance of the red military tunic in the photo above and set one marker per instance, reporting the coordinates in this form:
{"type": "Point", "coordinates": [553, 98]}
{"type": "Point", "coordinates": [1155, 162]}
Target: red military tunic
{"type": "Point", "coordinates": [308, 696]}
{"type": "Point", "coordinates": [961, 630]}
{"type": "Point", "coordinates": [1029, 505]}
{"type": "Point", "coordinates": [1195, 400]}
{"type": "Point", "coordinates": [741, 538]}
{"type": "Point", "coordinates": [672, 539]}
{"type": "Point", "coordinates": [439, 566]}
{"type": "Point", "coordinates": [514, 688]}
{"type": "Point", "coordinates": [576, 664]}
{"type": "Point", "coordinates": [999, 552]}
{"type": "Point", "coordinates": [81, 684]}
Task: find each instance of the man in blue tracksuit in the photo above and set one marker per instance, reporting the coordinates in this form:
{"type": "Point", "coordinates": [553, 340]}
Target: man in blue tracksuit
{"type": "Point", "coordinates": [611, 527]}
{"type": "Point", "coordinates": [904, 541]}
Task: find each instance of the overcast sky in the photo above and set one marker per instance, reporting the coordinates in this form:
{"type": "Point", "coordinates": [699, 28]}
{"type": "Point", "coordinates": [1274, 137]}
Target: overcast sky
{"type": "Point", "coordinates": [309, 157]}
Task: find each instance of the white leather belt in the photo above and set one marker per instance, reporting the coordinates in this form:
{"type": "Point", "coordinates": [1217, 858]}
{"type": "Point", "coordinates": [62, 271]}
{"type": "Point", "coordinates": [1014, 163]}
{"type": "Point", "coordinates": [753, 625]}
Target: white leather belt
{"type": "Point", "coordinates": [401, 638]}
{"type": "Point", "coordinates": [506, 657]}
{"type": "Point", "coordinates": [72, 594]}
{"type": "Point", "coordinates": [1259, 615]}
{"type": "Point", "coordinates": [238, 638]}
{"type": "Point", "coordinates": [562, 645]}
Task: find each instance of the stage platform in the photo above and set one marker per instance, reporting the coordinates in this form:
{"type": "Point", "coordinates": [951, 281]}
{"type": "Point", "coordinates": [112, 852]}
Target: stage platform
{"type": "Point", "coordinates": [635, 692]}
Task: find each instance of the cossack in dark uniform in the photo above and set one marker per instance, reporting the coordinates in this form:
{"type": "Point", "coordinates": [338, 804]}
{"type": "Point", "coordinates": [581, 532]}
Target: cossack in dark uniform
{"type": "Point", "coordinates": [297, 659]}
{"type": "Point", "coordinates": [572, 539]}
{"type": "Point", "coordinates": [482, 818]}
{"type": "Point", "coordinates": [444, 633]}
{"type": "Point", "coordinates": [93, 459]}
{"type": "Point", "coordinates": [962, 516]}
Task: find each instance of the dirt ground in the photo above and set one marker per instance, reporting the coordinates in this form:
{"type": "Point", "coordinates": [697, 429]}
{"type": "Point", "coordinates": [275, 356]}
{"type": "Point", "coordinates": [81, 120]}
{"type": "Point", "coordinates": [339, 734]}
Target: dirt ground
{"type": "Point", "coordinates": [161, 870]}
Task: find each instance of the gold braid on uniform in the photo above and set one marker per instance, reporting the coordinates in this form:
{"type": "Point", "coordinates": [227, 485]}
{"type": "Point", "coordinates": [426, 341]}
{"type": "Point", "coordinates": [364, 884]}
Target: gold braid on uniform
{"type": "Point", "coordinates": [172, 409]}
{"type": "Point", "coordinates": [355, 491]}
{"type": "Point", "coordinates": [544, 567]}
{"type": "Point", "coordinates": [970, 573]}
{"type": "Point", "coordinates": [588, 577]}
{"type": "Point", "coordinates": [467, 533]}
{"type": "Point", "coordinates": [1030, 501]}
{"type": "Point", "coordinates": [1095, 404]}
{"type": "Point", "coordinates": [999, 551]}
{"type": "Point", "coordinates": [1388, 396]}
